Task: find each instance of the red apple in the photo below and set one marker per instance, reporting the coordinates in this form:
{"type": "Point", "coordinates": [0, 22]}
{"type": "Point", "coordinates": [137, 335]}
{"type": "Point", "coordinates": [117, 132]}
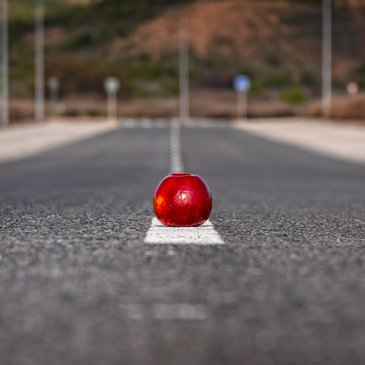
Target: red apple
{"type": "Point", "coordinates": [182, 200]}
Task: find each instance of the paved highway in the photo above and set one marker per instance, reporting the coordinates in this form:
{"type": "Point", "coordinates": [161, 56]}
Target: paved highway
{"type": "Point", "coordinates": [80, 286]}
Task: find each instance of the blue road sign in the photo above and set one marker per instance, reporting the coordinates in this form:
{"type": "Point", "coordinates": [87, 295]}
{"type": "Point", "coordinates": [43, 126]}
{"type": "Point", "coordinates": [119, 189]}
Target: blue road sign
{"type": "Point", "coordinates": [242, 83]}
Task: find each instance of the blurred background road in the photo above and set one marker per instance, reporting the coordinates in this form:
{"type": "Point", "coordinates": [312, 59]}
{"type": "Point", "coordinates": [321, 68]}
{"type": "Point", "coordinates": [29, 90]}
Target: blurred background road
{"type": "Point", "coordinates": [100, 99]}
{"type": "Point", "coordinates": [287, 48]}
{"type": "Point", "coordinates": [79, 285]}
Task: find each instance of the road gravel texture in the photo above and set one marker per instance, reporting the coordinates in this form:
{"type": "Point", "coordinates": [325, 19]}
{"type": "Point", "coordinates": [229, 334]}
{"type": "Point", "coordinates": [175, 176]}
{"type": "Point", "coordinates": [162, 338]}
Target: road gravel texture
{"type": "Point", "coordinates": [79, 286]}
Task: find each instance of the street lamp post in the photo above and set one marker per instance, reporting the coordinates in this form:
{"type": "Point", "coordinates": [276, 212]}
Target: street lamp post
{"type": "Point", "coordinates": [39, 61]}
{"type": "Point", "coordinates": [184, 69]}
{"type": "Point", "coordinates": [4, 78]}
{"type": "Point", "coordinates": [326, 57]}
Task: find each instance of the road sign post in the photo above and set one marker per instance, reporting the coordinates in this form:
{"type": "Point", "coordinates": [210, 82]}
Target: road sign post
{"type": "Point", "coordinates": [39, 61]}
{"type": "Point", "coordinates": [4, 78]}
{"type": "Point", "coordinates": [326, 57]}
{"type": "Point", "coordinates": [242, 106]}
{"type": "Point", "coordinates": [111, 85]}
{"type": "Point", "coordinates": [242, 84]}
{"type": "Point", "coordinates": [184, 69]}
{"type": "Point", "coordinates": [53, 85]}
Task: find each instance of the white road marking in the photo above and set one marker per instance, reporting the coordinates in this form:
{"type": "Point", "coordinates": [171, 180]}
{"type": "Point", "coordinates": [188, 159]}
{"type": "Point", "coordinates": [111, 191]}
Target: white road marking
{"type": "Point", "coordinates": [133, 311]}
{"type": "Point", "coordinates": [181, 311]}
{"type": "Point", "coordinates": [345, 141]}
{"type": "Point", "coordinates": [129, 123]}
{"type": "Point", "coordinates": [147, 123]}
{"type": "Point", "coordinates": [205, 234]}
{"type": "Point", "coordinates": [169, 252]}
{"type": "Point", "coordinates": [175, 146]}
{"type": "Point", "coordinates": [165, 312]}
{"type": "Point", "coordinates": [160, 234]}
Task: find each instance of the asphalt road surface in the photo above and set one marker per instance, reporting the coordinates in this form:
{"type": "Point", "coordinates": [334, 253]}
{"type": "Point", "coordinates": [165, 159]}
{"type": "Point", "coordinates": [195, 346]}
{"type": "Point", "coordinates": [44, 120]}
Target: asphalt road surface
{"type": "Point", "coordinates": [78, 285]}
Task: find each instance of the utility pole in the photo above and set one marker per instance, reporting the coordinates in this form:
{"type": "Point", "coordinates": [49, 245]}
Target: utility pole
{"type": "Point", "coordinates": [39, 61]}
{"type": "Point", "coordinates": [326, 57]}
{"type": "Point", "coordinates": [184, 69]}
{"type": "Point", "coordinates": [4, 78]}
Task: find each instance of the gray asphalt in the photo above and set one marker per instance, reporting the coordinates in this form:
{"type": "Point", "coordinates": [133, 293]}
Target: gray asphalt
{"type": "Point", "coordinates": [79, 286]}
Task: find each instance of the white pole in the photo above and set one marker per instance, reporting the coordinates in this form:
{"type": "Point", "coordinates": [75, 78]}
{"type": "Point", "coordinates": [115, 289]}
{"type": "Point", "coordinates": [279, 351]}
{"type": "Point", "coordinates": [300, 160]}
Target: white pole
{"type": "Point", "coordinates": [242, 105]}
{"type": "Point", "coordinates": [239, 108]}
{"type": "Point", "coordinates": [39, 61]}
{"type": "Point", "coordinates": [54, 96]}
{"type": "Point", "coordinates": [4, 79]}
{"type": "Point", "coordinates": [112, 105]}
{"type": "Point", "coordinates": [326, 57]}
{"type": "Point", "coordinates": [111, 85]}
{"type": "Point", "coordinates": [184, 69]}
{"type": "Point", "coordinates": [109, 105]}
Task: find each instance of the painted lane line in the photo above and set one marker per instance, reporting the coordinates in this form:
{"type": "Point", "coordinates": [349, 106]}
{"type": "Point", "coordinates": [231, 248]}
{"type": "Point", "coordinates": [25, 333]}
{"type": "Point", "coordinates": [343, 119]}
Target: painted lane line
{"type": "Point", "coordinates": [176, 164]}
{"type": "Point", "coordinates": [133, 311]}
{"type": "Point", "coordinates": [129, 123]}
{"type": "Point", "coordinates": [181, 311]}
{"type": "Point", "coordinates": [165, 312]}
{"type": "Point", "coordinates": [205, 234]}
{"type": "Point", "coordinates": [158, 234]}
{"type": "Point", "coordinates": [146, 123]}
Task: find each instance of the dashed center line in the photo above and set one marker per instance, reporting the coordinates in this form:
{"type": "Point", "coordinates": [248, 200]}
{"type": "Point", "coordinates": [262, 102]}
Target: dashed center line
{"type": "Point", "coordinates": [203, 235]}
{"type": "Point", "coordinates": [160, 234]}
{"type": "Point", "coordinates": [175, 146]}
{"type": "Point", "coordinates": [180, 311]}
{"type": "Point", "coordinates": [166, 312]}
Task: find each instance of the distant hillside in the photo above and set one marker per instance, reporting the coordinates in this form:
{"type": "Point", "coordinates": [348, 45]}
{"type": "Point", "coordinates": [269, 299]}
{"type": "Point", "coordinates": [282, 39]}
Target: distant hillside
{"type": "Point", "coordinates": [277, 42]}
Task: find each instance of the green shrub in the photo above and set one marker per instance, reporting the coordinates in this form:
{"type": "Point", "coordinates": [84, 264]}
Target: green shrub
{"type": "Point", "coordinates": [172, 89]}
{"type": "Point", "coordinates": [359, 75]}
{"type": "Point", "coordinates": [256, 86]}
{"type": "Point", "coordinates": [77, 75]}
{"type": "Point", "coordinates": [79, 42]}
{"type": "Point", "coordinates": [308, 78]}
{"type": "Point", "coordinates": [273, 61]}
{"type": "Point", "coordinates": [277, 80]}
{"type": "Point", "coordinates": [294, 95]}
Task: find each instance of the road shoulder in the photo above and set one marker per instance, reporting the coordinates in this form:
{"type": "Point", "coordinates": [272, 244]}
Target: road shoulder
{"type": "Point", "coordinates": [20, 141]}
{"type": "Point", "coordinates": [328, 138]}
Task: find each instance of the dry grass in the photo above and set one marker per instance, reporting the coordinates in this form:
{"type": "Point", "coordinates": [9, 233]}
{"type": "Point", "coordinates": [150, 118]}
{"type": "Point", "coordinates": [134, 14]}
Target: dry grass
{"type": "Point", "coordinates": [346, 107]}
{"type": "Point", "coordinates": [250, 32]}
{"type": "Point", "coordinates": [206, 103]}
{"type": "Point", "coordinates": [229, 29]}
